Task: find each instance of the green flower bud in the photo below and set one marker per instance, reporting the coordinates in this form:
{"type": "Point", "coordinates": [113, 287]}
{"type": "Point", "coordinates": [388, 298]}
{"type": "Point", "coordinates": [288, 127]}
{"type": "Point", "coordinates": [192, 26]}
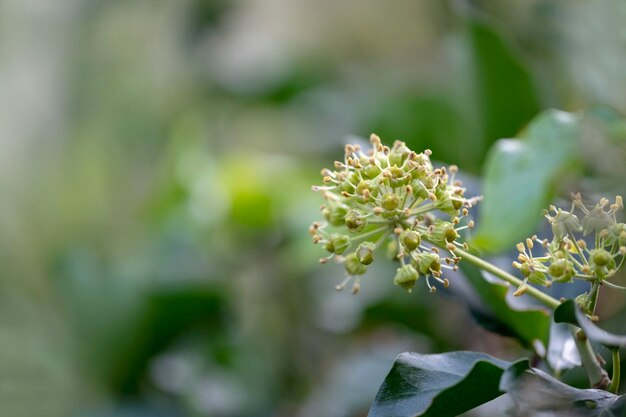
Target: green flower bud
{"type": "Point", "coordinates": [365, 252]}
{"type": "Point", "coordinates": [398, 178]}
{"type": "Point", "coordinates": [428, 181]}
{"type": "Point", "coordinates": [562, 270]}
{"type": "Point", "coordinates": [353, 266]}
{"type": "Point", "coordinates": [371, 171]}
{"type": "Point", "coordinates": [335, 214]}
{"type": "Point", "coordinates": [419, 191]}
{"type": "Point", "coordinates": [443, 233]}
{"type": "Point", "coordinates": [600, 257]}
{"type": "Point", "coordinates": [390, 202]}
{"type": "Point", "coordinates": [366, 190]}
{"type": "Point", "coordinates": [338, 243]}
{"type": "Point", "coordinates": [346, 185]}
{"type": "Point", "coordinates": [354, 221]}
{"type": "Point", "coordinates": [429, 261]}
{"type": "Point", "coordinates": [410, 239]}
{"type": "Point", "coordinates": [406, 276]}
{"type": "Point", "coordinates": [398, 153]}
{"type": "Point", "coordinates": [539, 278]}
{"type": "Point", "coordinates": [451, 235]}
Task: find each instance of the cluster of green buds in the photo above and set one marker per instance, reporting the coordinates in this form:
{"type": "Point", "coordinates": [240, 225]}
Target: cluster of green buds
{"type": "Point", "coordinates": [569, 255]}
{"type": "Point", "coordinates": [392, 197]}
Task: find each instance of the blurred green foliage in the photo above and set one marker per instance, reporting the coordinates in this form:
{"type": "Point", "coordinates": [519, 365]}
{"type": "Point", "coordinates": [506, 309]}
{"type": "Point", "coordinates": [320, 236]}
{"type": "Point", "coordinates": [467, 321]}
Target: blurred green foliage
{"type": "Point", "coordinates": [157, 159]}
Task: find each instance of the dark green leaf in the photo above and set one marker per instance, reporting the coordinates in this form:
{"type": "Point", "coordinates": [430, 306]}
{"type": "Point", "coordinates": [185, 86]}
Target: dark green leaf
{"type": "Point", "coordinates": [503, 94]}
{"type": "Point", "coordinates": [422, 120]}
{"type": "Point", "coordinates": [569, 312]}
{"type": "Point", "coordinates": [535, 393]}
{"type": "Point", "coordinates": [519, 176]}
{"type": "Point", "coordinates": [439, 385]}
{"type": "Point", "coordinates": [528, 325]}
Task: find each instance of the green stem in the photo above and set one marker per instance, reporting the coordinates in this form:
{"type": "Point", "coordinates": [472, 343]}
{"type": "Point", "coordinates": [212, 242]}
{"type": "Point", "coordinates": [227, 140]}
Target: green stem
{"type": "Point", "coordinates": [593, 297]}
{"type": "Point", "coordinates": [578, 249]}
{"type": "Point", "coordinates": [616, 372]}
{"type": "Point", "coordinates": [371, 233]}
{"type": "Point", "coordinates": [598, 378]}
{"type": "Point", "coordinates": [486, 266]}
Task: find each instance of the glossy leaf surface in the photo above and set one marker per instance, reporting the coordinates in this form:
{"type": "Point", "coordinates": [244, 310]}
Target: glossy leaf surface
{"type": "Point", "coordinates": [519, 177]}
{"type": "Point", "coordinates": [535, 393]}
{"type": "Point", "coordinates": [440, 385]}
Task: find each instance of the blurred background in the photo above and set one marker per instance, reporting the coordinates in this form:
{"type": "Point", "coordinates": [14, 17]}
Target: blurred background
{"type": "Point", "coordinates": [156, 159]}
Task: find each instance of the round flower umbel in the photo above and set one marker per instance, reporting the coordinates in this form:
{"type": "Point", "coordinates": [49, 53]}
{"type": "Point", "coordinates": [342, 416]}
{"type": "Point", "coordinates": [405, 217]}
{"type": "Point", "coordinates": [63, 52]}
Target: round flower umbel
{"type": "Point", "coordinates": [388, 197]}
{"type": "Point", "coordinates": [568, 255]}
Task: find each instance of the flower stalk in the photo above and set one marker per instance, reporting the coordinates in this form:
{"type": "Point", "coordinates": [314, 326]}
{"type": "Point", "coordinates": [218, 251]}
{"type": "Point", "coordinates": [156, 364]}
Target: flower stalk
{"type": "Point", "coordinates": [598, 377]}
{"type": "Point", "coordinates": [615, 377]}
{"type": "Point", "coordinates": [539, 295]}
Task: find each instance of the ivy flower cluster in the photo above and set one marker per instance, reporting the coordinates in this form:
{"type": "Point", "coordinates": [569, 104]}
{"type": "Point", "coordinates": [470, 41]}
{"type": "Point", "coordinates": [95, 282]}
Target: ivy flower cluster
{"type": "Point", "coordinates": [388, 197]}
{"type": "Point", "coordinates": [592, 249]}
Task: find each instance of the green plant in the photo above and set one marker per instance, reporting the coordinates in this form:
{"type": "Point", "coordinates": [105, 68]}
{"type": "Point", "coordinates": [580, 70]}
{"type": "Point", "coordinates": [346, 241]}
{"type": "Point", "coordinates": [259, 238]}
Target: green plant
{"type": "Point", "coordinates": [394, 198]}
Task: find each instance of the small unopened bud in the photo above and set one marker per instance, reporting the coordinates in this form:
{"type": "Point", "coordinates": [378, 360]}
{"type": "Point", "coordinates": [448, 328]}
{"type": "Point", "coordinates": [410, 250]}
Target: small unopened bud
{"type": "Point", "coordinates": [451, 235]}
{"type": "Point", "coordinates": [600, 257]}
{"type": "Point", "coordinates": [410, 239]}
{"type": "Point", "coordinates": [539, 278]}
{"type": "Point", "coordinates": [429, 262]}
{"type": "Point", "coordinates": [390, 201]}
{"type": "Point", "coordinates": [406, 276]}
{"type": "Point", "coordinates": [338, 243]}
{"type": "Point", "coordinates": [561, 270]}
{"type": "Point", "coordinates": [335, 214]}
{"type": "Point", "coordinates": [353, 266]}
{"type": "Point", "coordinates": [354, 221]}
{"type": "Point", "coordinates": [365, 252]}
